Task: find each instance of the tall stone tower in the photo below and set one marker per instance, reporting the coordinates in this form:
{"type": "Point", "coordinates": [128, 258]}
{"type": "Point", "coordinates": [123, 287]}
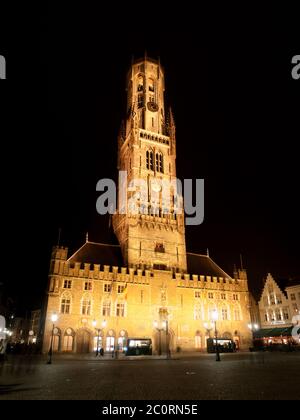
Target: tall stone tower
{"type": "Point", "coordinates": [149, 229]}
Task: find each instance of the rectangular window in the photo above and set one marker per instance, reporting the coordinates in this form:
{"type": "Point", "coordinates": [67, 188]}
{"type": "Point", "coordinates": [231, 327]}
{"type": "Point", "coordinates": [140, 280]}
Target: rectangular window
{"type": "Point", "coordinates": [295, 307]}
{"type": "Point", "coordinates": [278, 299]}
{"type": "Point", "coordinates": [224, 314]}
{"type": "Point", "coordinates": [210, 295]}
{"type": "Point", "coordinates": [223, 296]}
{"type": "Point", "coordinates": [67, 284]}
{"type": "Point", "coordinates": [286, 314]}
{"type": "Point", "coordinates": [293, 296]}
{"type": "Point", "coordinates": [107, 287]}
{"type": "Point", "coordinates": [235, 296]}
{"type": "Point", "coordinates": [197, 312]}
{"type": "Point", "coordinates": [272, 299]}
{"type": "Point", "coordinates": [88, 285]}
{"type": "Point", "coordinates": [120, 310]}
{"type": "Point", "coordinates": [106, 309]}
{"type": "Point", "coordinates": [65, 306]}
{"type": "Point", "coordinates": [197, 294]}
{"type": "Point", "coordinates": [121, 288]}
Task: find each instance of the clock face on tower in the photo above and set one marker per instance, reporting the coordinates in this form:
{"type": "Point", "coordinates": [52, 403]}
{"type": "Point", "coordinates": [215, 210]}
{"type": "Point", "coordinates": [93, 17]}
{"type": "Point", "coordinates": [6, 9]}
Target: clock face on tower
{"type": "Point", "coordinates": [152, 106]}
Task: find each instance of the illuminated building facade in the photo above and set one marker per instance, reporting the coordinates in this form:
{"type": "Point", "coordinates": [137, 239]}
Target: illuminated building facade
{"type": "Point", "coordinates": [149, 279]}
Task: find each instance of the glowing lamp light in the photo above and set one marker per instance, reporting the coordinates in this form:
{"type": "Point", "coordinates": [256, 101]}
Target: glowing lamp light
{"type": "Point", "coordinates": [164, 324]}
{"type": "Point", "coordinates": [54, 317]}
{"type": "Point", "coordinates": [256, 326]}
{"type": "Point", "coordinates": [250, 326]}
{"type": "Point", "coordinates": [104, 323]}
{"type": "Point", "coordinates": [94, 323]}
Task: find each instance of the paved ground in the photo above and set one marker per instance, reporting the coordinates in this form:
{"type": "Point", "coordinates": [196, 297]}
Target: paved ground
{"type": "Point", "coordinates": [197, 377]}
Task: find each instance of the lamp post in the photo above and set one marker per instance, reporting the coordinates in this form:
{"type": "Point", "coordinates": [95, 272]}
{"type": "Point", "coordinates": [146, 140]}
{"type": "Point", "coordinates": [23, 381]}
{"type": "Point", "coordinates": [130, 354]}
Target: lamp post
{"type": "Point", "coordinates": [98, 336]}
{"type": "Point", "coordinates": [159, 329]}
{"type": "Point", "coordinates": [54, 318]}
{"type": "Point", "coordinates": [215, 318]}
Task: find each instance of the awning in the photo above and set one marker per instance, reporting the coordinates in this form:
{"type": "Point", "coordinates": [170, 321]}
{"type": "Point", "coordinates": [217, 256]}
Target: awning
{"type": "Point", "coordinates": [273, 332]}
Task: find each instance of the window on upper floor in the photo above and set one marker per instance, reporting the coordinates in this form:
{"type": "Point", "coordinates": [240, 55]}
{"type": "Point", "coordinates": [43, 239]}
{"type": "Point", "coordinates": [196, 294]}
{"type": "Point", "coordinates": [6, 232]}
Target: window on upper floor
{"type": "Point", "coordinates": [272, 298]}
{"type": "Point", "coordinates": [210, 295]}
{"type": "Point", "coordinates": [293, 296]}
{"type": "Point", "coordinates": [295, 307]}
{"type": "Point", "coordinates": [140, 100]}
{"type": "Point", "coordinates": [151, 85]}
{"type": "Point", "coordinates": [286, 314]}
{"type": "Point", "coordinates": [88, 285]}
{"type": "Point", "coordinates": [106, 308]}
{"type": "Point", "coordinates": [237, 314]}
{"type": "Point", "coordinates": [197, 294]}
{"type": "Point", "coordinates": [197, 312]}
{"type": "Point", "coordinates": [86, 306]}
{"type": "Point", "coordinates": [235, 296]}
{"type": "Point", "coordinates": [65, 304]}
{"type": "Point", "coordinates": [224, 314]}
{"type": "Point", "coordinates": [120, 309]}
{"type": "Point", "coordinates": [107, 287]}
{"type": "Point", "coordinates": [121, 288]}
{"type": "Point", "coordinates": [278, 315]}
{"type": "Point", "coordinates": [278, 299]}
{"type": "Point", "coordinates": [149, 160]}
{"type": "Point", "coordinates": [223, 296]}
{"type": "Point", "coordinates": [159, 247]}
{"type": "Point", "coordinates": [67, 284]}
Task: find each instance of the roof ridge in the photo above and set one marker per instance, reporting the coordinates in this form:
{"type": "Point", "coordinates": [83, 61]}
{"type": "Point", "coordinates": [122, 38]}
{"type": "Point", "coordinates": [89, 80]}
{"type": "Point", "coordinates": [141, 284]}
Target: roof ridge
{"type": "Point", "coordinates": [200, 255]}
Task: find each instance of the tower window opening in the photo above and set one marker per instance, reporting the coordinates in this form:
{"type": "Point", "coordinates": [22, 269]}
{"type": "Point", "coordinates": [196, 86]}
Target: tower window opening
{"type": "Point", "coordinates": [151, 85]}
{"type": "Point", "coordinates": [149, 160]}
{"type": "Point", "coordinates": [140, 101]}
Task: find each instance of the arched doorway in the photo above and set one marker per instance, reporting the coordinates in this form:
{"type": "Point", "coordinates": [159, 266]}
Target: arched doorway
{"type": "Point", "coordinates": [122, 340]}
{"type": "Point", "coordinates": [68, 341]}
{"type": "Point", "coordinates": [110, 341]}
{"type": "Point", "coordinates": [83, 341]}
{"type": "Point", "coordinates": [56, 339]}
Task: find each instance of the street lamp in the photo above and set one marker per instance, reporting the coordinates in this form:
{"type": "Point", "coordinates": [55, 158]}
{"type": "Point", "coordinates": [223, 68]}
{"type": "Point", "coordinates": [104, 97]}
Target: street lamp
{"type": "Point", "coordinates": [54, 318]}
{"type": "Point", "coordinates": [215, 318]}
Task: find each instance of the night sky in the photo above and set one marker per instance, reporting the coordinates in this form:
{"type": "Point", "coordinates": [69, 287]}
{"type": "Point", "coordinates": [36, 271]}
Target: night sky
{"type": "Point", "coordinates": [236, 109]}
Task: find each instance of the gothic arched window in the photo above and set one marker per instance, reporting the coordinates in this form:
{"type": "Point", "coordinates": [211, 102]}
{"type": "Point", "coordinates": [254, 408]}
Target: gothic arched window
{"type": "Point", "coordinates": [65, 303]}
{"type": "Point", "coordinates": [140, 84]}
{"type": "Point", "coordinates": [86, 304]}
{"type": "Point", "coordinates": [149, 160]}
{"type": "Point", "coordinates": [151, 85]}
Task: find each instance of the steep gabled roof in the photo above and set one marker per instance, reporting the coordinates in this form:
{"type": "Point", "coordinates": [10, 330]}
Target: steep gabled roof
{"type": "Point", "coordinates": [94, 253]}
{"type": "Point", "coordinates": [203, 265]}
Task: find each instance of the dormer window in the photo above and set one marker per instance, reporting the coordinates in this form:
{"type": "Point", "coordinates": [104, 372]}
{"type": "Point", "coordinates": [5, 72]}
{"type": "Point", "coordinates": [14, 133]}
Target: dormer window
{"type": "Point", "coordinates": [159, 247]}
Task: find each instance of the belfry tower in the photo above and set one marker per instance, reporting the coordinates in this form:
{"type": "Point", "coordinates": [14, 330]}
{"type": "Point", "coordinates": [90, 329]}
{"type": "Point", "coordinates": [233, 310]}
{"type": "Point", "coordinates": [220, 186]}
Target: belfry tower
{"type": "Point", "coordinates": [149, 229]}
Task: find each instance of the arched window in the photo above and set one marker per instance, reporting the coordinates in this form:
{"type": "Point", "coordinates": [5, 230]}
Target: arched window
{"type": "Point", "coordinates": [65, 303]}
{"type": "Point", "coordinates": [140, 84]}
{"type": "Point", "coordinates": [106, 308]}
{"type": "Point", "coordinates": [225, 315]}
{"type": "Point", "coordinates": [86, 304]}
{"type": "Point", "coordinates": [161, 163]}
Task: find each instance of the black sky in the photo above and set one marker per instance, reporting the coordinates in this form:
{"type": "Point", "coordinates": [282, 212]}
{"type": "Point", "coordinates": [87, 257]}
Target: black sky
{"type": "Point", "coordinates": [236, 109]}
